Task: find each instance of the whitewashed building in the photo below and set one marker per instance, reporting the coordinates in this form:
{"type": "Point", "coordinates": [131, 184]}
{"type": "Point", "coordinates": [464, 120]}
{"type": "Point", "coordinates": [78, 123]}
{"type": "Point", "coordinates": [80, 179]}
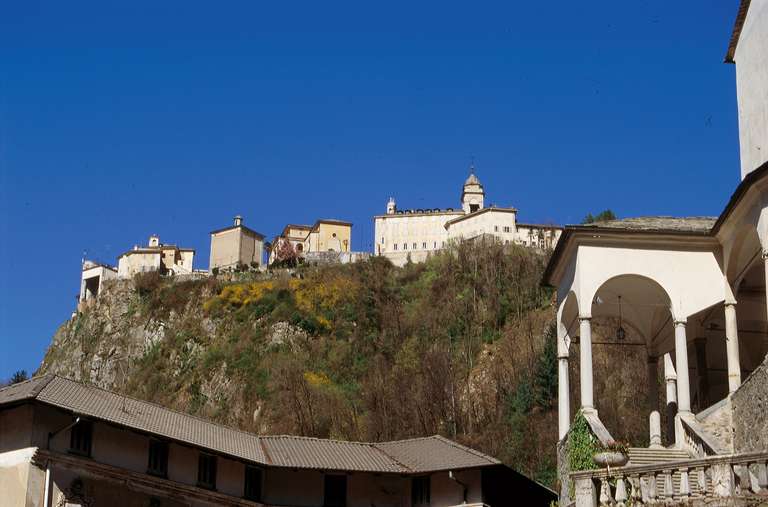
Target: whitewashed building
{"type": "Point", "coordinates": [414, 234]}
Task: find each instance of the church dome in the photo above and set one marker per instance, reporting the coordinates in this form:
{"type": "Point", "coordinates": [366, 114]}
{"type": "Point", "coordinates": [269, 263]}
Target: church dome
{"type": "Point", "coordinates": [472, 179]}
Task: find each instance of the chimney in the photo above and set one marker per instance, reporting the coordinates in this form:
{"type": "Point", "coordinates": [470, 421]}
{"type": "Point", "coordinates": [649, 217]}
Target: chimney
{"type": "Point", "coordinates": [238, 220]}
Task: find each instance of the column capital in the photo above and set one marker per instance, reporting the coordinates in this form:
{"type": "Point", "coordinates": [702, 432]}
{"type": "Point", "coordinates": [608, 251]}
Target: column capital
{"type": "Point", "coordinates": [584, 317]}
{"type": "Point", "coordinates": [765, 254]}
{"type": "Point", "coordinates": [731, 302]}
{"type": "Point", "coordinates": [680, 322]}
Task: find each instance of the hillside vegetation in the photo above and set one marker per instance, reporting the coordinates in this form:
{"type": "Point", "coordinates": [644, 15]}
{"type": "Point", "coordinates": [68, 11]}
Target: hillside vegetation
{"type": "Point", "coordinates": [461, 345]}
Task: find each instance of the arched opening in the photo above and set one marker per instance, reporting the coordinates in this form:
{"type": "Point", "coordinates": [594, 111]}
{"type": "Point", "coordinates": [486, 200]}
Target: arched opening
{"type": "Point", "coordinates": [632, 329]}
{"type": "Point", "coordinates": [747, 277]}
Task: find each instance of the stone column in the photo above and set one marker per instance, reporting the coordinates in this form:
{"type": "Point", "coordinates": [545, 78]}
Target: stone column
{"type": "Point", "coordinates": [702, 371]}
{"type": "Point", "coordinates": [585, 358]}
{"type": "Point", "coordinates": [681, 362]}
{"type": "Point", "coordinates": [654, 425]}
{"type": "Point", "coordinates": [732, 347]}
{"type": "Point", "coordinates": [653, 383]}
{"type": "Point", "coordinates": [563, 397]}
{"type": "Point", "coordinates": [670, 379]}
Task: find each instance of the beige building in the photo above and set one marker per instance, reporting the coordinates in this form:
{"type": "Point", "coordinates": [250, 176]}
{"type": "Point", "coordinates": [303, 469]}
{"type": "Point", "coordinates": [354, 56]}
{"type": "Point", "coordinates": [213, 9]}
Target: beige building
{"type": "Point", "coordinates": [236, 246]}
{"type": "Point", "coordinates": [326, 235]}
{"type": "Point", "coordinates": [156, 256]}
{"type": "Point", "coordinates": [416, 233]}
{"type": "Point", "coordinates": [690, 293]}
{"type": "Point", "coordinates": [63, 443]}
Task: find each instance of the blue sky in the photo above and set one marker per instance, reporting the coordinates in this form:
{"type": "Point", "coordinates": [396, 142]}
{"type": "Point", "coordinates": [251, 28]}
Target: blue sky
{"type": "Point", "coordinates": [118, 120]}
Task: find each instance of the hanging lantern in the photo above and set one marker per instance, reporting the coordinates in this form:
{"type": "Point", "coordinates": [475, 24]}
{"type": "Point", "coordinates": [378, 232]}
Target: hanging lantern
{"type": "Point", "coordinates": [621, 334]}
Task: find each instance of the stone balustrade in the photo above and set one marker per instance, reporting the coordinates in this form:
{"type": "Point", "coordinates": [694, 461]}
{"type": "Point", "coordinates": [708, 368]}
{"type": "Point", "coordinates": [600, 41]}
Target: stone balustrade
{"type": "Point", "coordinates": [673, 483]}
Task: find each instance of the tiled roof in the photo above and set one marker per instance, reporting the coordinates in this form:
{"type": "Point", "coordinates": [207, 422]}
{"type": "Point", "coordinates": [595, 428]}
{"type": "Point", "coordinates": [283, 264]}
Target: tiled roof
{"type": "Point", "coordinates": [316, 453]}
{"type": "Point", "coordinates": [406, 456]}
{"type": "Point", "coordinates": [657, 223]}
{"type": "Point", "coordinates": [741, 16]}
{"type": "Point", "coordinates": [434, 453]}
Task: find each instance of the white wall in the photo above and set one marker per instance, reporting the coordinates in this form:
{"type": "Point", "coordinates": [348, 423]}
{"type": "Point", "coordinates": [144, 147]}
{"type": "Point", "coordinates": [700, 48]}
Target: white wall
{"type": "Point", "coordinates": [500, 224]}
{"type": "Point", "coordinates": [140, 262]}
{"type": "Point", "coordinates": [752, 83]}
{"type": "Point", "coordinates": [426, 230]}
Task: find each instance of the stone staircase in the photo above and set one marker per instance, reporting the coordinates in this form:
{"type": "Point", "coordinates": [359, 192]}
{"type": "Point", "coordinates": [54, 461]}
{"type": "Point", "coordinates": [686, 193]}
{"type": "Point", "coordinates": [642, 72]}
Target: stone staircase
{"type": "Point", "coordinates": [646, 456]}
{"type": "Point", "coordinates": [716, 421]}
{"type": "Point", "coordinates": [639, 456]}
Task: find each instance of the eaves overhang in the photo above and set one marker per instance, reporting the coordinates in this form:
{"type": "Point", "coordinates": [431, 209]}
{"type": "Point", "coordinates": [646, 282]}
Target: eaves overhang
{"type": "Point", "coordinates": [575, 235]}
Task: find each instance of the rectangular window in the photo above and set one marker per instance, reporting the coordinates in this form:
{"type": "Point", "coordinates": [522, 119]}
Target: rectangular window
{"type": "Point", "coordinates": [414, 246]}
{"type": "Point", "coordinates": [382, 240]}
{"type": "Point", "coordinates": [335, 493]}
{"type": "Point", "coordinates": [424, 245]}
{"type": "Point", "coordinates": [395, 246]}
{"type": "Point", "coordinates": [435, 244]}
{"type": "Point", "coordinates": [80, 438]}
{"type": "Point", "coordinates": [158, 458]}
{"type": "Point", "coordinates": [495, 228]}
{"type": "Point", "coordinates": [506, 228]}
{"type": "Point", "coordinates": [252, 483]}
{"type": "Point", "coordinates": [206, 471]}
{"type": "Point", "coordinates": [405, 246]}
{"type": "Point", "coordinates": [420, 493]}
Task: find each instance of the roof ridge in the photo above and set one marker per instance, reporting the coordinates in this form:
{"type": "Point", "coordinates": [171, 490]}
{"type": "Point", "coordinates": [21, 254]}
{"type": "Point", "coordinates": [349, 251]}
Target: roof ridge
{"type": "Point", "coordinates": [44, 379]}
{"type": "Point", "coordinates": [467, 449]}
{"type": "Point", "coordinates": [412, 439]}
{"type": "Point", "coordinates": [302, 437]}
{"type": "Point", "coordinates": [392, 458]}
{"type": "Point", "coordinates": [184, 414]}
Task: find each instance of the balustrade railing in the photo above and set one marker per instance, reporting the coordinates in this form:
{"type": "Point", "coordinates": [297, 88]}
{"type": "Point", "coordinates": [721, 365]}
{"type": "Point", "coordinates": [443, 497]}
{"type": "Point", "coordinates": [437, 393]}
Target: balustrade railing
{"type": "Point", "coordinates": [743, 475]}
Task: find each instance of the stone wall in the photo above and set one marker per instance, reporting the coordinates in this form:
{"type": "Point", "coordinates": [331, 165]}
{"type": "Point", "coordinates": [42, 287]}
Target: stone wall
{"type": "Point", "coordinates": [750, 412]}
{"type": "Point", "coordinates": [322, 258]}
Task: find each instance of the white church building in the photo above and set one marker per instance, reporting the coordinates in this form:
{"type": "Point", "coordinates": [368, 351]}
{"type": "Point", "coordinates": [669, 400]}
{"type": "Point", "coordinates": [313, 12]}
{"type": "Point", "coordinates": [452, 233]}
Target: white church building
{"type": "Point", "coordinates": [691, 293]}
{"type": "Point", "coordinates": [416, 233]}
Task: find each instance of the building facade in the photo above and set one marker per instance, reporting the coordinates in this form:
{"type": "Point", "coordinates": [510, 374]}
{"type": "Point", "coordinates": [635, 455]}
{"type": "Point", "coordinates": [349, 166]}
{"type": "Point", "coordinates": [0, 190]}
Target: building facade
{"type": "Point", "coordinates": [414, 234]}
{"type": "Point", "coordinates": [156, 256]}
{"type": "Point", "coordinates": [67, 444]}
{"type": "Point", "coordinates": [326, 235]}
{"type": "Point", "coordinates": [92, 280]}
{"type": "Point", "coordinates": [236, 246]}
{"type": "Point", "coordinates": [692, 294]}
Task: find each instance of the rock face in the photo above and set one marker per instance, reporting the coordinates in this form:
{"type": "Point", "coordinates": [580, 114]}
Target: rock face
{"type": "Point", "coordinates": [97, 346]}
{"type": "Point", "coordinates": [361, 351]}
{"type": "Point", "coordinates": [750, 412]}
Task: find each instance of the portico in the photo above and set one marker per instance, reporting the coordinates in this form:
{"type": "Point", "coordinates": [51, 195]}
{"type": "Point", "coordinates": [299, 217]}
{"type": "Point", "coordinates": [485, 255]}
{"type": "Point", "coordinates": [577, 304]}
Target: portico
{"type": "Point", "coordinates": [671, 287]}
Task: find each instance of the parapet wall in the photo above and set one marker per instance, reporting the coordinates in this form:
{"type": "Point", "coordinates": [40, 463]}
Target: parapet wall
{"type": "Point", "coordinates": [750, 412]}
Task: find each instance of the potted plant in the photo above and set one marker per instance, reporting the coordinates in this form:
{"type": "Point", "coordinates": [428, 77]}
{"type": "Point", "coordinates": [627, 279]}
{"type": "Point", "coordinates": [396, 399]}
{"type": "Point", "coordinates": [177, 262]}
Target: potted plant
{"type": "Point", "coordinates": [614, 454]}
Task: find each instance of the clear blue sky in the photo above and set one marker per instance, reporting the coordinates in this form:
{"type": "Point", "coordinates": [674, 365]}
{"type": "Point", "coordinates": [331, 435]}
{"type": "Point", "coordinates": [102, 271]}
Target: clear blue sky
{"type": "Point", "coordinates": [122, 119]}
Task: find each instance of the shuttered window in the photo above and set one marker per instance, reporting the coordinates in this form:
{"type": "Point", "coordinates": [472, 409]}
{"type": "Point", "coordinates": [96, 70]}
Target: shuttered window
{"type": "Point", "coordinates": [80, 438]}
{"type": "Point", "coordinates": [206, 471]}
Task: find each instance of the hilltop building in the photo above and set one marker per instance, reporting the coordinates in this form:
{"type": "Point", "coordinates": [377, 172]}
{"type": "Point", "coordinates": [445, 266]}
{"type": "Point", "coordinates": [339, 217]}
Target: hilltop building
{"type": "Point", "coordinates": [326, 235]}
{"type": "Point", "coordinates": [156, 256]}
{"type": "Point", "coordinates": [92, 280]}
{"type": "Point", "coordinates": [235, 246]}
{"type": "Point", "coordinates": [66, 443]}
{"type": "Point", "coordinates": [414, 234]}
{"type": "Point", "coordinates": [691, 293]}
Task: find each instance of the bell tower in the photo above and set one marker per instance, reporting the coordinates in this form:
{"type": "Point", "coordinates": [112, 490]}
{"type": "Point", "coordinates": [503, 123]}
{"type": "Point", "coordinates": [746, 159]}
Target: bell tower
{"type": "Point", "coordinates": [472, 195]}
{"type": "Point", "coordinates": [391, 206]}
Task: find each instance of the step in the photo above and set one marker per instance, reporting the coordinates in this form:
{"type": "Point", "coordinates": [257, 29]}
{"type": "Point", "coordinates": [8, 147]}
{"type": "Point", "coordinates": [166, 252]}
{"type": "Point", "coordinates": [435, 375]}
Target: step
{"type": "Point", "coordinates": [657, 457]}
